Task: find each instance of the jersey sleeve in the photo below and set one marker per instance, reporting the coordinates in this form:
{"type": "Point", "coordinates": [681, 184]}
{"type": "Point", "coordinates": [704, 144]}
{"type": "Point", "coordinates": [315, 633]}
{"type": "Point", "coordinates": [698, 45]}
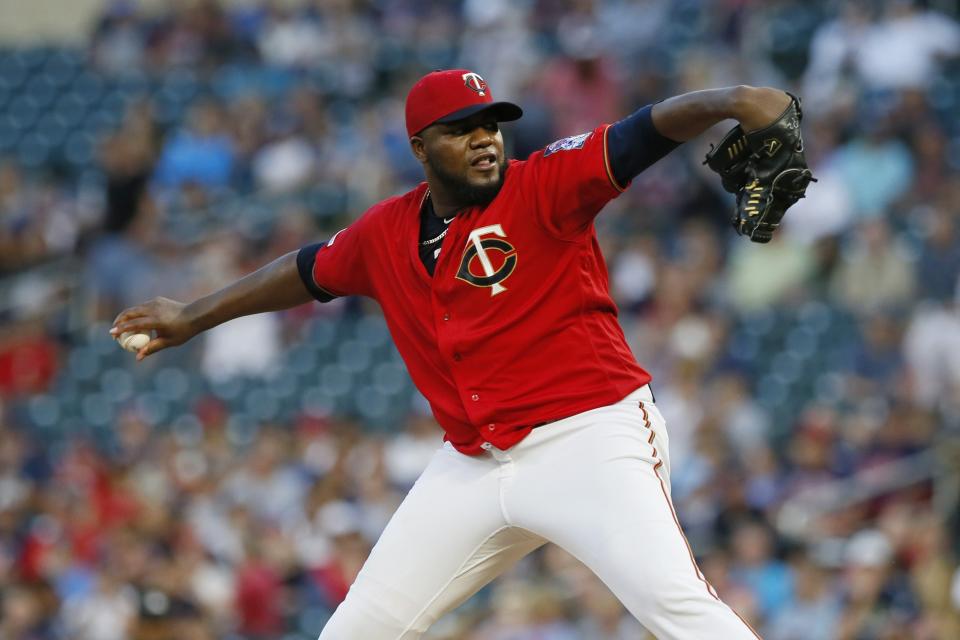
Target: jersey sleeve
{"type": "Point", "coordinates": [570, 181]}
{"type": "Point", "coordinates": [336, 267]}
{"type": "Point", "coordinates": [633, 144]}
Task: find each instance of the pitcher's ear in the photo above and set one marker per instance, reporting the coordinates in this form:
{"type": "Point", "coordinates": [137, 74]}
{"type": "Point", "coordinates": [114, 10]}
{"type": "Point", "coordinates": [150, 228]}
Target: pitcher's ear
{"type": "Point", "coordinates": [418, 146]}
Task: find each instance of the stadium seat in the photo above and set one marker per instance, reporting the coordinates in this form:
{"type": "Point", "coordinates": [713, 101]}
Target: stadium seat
{"type": "Point", "coordinates": [321, 332]}
{"type": "Point", "coordinates": [261, 404]}
{"type": "Point", "coordinates": [79, 148]}
{"type": "Point", "coordinates": [354, 356]}
{"type": "Point", "coordinates": [96, 410]}
{"type": "Point", "coordinates": [285, 383]}
{"type": "Point", "coordinates": [370, 404]}
{"type": "Point", "coordinates": [12, 71]}
{"type": "Point", "coordinates": [41, 89]}
{"type": "Point", "coordinates": [71, 109]}
{"type": "Point", "coordinates": [318, 401]}
{"type": "Point", "coordinates": [372, 331]}
{"type": "Point", "coordinates": [22, 112]}
{"type": "Point", "coordinates": [153, 408]}
{"type": "Point", "coordinates": [787, 367]}
{"type": "Point", "coordinates": [186, 428]}
{"type": "Point", "coordinates": [390, 378]}
{"type": "Point", "coordinates": [242, 429]}
{"type": "Point", "coordinates": [801, 341]}
{"type": "Point", "coordinates": [44, 411]}
{"type": "Point", "coordinates": [88, 86]}
{"type": "Point", "coordinates": [9, 135]}
{"type": "Point", "coordinates": [336, 380]}
{"type": "Point", "coordinates": [32, 150]}
{"type": "Point", "coordinates": [53, 129]}
{"type": "Point", "coordinates": [117, 384]}
{"type": "Point", "coordinates": [63, 64]}
{"type": "Point", "coordinates": [172, 383]}
{"type": "Point", "coordinates": [82, 363]}
{"type": "Point", "coordinates": [136, 84]}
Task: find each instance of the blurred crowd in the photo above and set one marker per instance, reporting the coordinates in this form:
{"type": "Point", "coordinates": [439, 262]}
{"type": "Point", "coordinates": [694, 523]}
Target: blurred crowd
{"type": "Point", "coordinates": [193, 532]}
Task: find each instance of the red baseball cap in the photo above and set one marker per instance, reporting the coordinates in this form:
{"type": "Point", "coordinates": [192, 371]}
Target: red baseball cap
{"type": "Point", "coordinates": [452, 94]}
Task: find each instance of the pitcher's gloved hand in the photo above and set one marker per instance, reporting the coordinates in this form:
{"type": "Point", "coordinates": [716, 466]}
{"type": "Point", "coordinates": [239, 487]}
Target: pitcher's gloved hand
{"type": "Point", "coordinates": [766, 170]}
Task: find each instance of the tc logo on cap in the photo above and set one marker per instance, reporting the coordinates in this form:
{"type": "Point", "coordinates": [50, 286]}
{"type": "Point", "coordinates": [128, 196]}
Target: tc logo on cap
{"type": "Point", "coordinates": [475, 82]}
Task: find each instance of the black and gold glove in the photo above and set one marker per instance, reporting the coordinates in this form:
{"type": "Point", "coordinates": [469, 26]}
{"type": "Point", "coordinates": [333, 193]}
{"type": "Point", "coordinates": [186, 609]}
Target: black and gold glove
{"type": "Point", "coordinates": [766, 169]}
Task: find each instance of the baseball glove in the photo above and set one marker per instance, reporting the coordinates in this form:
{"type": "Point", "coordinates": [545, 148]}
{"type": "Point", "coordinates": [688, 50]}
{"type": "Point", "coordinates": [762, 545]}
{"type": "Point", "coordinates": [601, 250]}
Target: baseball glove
{"type": "Point", "coordinates": [766, 170]}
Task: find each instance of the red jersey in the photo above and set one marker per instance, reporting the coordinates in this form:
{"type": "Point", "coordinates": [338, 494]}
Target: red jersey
{"type": "Point", "coordinates": [516, 327]}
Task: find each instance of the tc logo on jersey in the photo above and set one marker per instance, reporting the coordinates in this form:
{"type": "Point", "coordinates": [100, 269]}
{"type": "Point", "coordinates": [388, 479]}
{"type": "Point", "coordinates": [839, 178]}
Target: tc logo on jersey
{"type": "Point", "coordinates": [479, 248]}
{"type": "Point", "coordinates": [475, 82]}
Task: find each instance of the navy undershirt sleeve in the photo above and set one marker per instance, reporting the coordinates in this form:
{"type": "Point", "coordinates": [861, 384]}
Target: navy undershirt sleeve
{"type": "Point", "coordinates": [305, 259]}
{"type": "Point", "coordinates": [633, 144]}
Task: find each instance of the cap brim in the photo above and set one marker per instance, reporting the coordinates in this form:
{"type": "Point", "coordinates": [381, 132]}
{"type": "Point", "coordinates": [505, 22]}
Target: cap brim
{"type": "Point", "coordinates": [505, 112]}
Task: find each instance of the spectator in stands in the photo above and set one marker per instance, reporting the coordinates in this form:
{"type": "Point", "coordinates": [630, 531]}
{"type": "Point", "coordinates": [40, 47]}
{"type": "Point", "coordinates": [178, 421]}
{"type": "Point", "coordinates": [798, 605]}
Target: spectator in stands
{"type": "Point", "coordinates": [406, 455]}
{"type": "Point", "coordinates": [225, 258]}
{"type": "Point", "coordinates": [904, 48]}
{"type": "Point", "coordinates": [927, 547]}
{"type": "Point", "coordinates": [875, 272]}
{"type": "Point", "coordinates": [788, 264]}
{"type": "Point", "coordinates": [814, 610]}
{"type": "Point", "coordinates": [744, 421]}
{"type": "Point", "coordinates": [119, 39]}
{"type": "Point", "coordinates": [877, 363]}
{"type": "Point", "coordinates": [259, 592]}
{"type": "Point", "coordinates": [876, 601]}
{"type": "Point", "coordinates": [829, 76]}
{"type": "Point", "coordinates": [877, 167]}
{"type": "Point", "coordinates": [106, 614]}
{"type": "Point", "coordinates": [264, 485]}
{"type": "Point", "coordinates": [633, 275]}
{"type": "Point", "coordinates": [581, 88]}
{"type": "Point", "coordinates": [938, 263]}
{"type": "Point", "coordinates": [195, 35]}
{"type": "Point", "coordinates": [118, 262]}
{"type": "Point", "coordinates": [498, 39]}
{"type": "Point", "coordinates": [36, 221]}
{"type": "Point", "coordinates": [604, 617]}
{"type": "Point", "coordinates": [756, 566]}
{"type": "Point", "coordinates": [932, 351]}
{"type": "Point", "coordinates": [290, 38]}
{"type": "Point", "coordinates": [201, 153]}
{"type": "Point", "coordinates": [286, 163]}
{"type": "Point", "coordinates": [127, 157]}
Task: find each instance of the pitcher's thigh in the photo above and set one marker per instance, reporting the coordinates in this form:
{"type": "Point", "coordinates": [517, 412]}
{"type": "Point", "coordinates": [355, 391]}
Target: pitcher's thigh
{"type": "Point", "coordinates": [611, 509]}
{"type": "Point", "coordinates": [638, 549]}
{"type": "Point", "coordinates": [446, 540]}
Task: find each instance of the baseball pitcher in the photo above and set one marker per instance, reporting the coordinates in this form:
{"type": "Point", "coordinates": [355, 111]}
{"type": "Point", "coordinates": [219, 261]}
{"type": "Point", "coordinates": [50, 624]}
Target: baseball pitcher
{"type": "Point", "coordinates": [493, 286]}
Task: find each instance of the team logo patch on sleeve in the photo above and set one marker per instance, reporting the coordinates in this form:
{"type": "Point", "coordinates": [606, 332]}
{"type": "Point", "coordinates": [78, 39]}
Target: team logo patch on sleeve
{"type": "Point", "coordinates": [567, 144]}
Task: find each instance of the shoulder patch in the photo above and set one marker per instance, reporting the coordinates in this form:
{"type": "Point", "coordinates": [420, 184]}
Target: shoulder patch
{"type": "Point", "coordinates": [567, 144]}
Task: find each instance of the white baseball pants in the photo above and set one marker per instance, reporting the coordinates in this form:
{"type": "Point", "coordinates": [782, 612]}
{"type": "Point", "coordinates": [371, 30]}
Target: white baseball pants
{"type": "Point", "coordinates": [596, 484]}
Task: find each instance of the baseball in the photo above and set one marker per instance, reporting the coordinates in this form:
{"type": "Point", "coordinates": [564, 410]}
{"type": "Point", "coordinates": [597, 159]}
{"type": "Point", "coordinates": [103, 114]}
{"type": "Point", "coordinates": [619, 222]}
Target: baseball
{"type": "Point", "coordinates": [133, 341]}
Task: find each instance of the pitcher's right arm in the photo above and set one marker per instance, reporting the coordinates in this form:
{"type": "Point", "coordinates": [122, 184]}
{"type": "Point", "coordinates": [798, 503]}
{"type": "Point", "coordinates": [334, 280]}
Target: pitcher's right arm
{"type": "Point", "coordinates": [273, 287]}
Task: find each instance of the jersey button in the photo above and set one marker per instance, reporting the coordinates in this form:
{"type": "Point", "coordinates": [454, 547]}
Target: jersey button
{"type": "Point", "coordinates": [446, 316]}
{"type": "Point", "coordinates": [475, 397]}
{"type": "Point", "coordinates": [490, 426]}
{"type": "Point", "coordinates": [457, 357]}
